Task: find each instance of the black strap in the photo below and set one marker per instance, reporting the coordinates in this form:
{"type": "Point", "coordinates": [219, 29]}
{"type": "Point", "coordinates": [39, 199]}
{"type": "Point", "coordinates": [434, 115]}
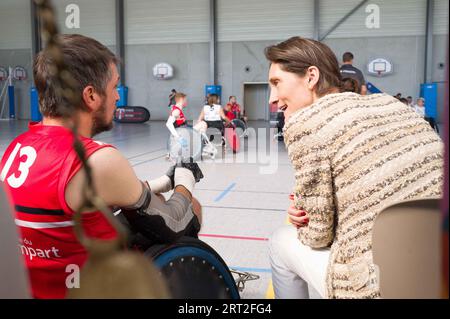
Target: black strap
{"type": "Point", "coordinates": [39, 211]}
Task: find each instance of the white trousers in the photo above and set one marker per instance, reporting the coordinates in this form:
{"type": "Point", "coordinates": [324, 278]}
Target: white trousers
{"type": "Point", "coordinates": [298, 271]}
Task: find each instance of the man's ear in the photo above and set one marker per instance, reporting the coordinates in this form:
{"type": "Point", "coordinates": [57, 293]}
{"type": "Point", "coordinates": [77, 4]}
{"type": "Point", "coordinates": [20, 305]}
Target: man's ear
{"type": "Point", "coordinates": [91, 98]}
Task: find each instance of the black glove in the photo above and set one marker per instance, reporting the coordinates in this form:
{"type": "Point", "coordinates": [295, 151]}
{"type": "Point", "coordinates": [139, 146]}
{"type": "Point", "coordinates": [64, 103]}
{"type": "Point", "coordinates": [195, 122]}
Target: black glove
{"type": "Point", "coordinates": [192, 166]}
{"type": "Point", "coordinates": [171, 174]}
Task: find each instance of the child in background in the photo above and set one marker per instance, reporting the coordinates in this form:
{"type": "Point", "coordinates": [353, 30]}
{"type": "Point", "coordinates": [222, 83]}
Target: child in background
{"type": "Point", "coordinates": [420, 106]}
{"type": "Point", "coordinates": [177, 119]}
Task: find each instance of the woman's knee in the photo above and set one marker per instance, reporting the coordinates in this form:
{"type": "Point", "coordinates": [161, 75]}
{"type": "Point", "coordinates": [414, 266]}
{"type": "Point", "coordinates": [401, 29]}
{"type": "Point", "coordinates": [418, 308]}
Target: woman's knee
{"type": "Point", "coordinates": [279, 239]}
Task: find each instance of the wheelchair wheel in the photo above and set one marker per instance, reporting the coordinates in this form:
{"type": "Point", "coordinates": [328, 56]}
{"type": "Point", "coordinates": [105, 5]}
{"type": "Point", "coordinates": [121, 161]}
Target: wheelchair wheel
{"type": "Point", "coordinates": [241, 128]}
{"type": "Point", "coordinates": [193, 147]}
{"type": "Point", "coordinates": [232, 139]}
{"type": "Point", "coordinates": [208, 149]}
{"type": "Point", "coordinates": [215, 138]}
{"type": "Point", "coordinates": [193, 270]}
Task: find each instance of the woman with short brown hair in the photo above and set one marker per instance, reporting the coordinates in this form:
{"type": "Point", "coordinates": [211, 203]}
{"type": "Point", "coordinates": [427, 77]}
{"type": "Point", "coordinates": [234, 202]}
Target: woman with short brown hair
{"type": "Point", "coordinates": [353, 156]}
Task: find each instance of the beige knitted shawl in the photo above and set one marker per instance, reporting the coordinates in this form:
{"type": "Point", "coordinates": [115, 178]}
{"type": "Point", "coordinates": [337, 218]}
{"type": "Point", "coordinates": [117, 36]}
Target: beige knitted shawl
{"type": "Point", "coordinates": [353, 156]}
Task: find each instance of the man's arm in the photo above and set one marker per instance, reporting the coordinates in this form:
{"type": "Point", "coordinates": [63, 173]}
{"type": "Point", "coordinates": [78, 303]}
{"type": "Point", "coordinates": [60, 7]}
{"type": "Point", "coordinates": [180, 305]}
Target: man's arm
{"type": "Point", "coordinates": [239, 111]}
{"type": "Point", "coordinates": [223, 116]}
{"type": "Point", "coordinates": [117, 184]}
{"type": "Point", "coordinates": [363, 89]}
{"type": "Point", "coordinates": [114, 180]}
{"type": "Point", "coordinates": [169, 124]}
{"type": "Point", "coordinates": [363, 83]}
{"type": "Point", "coordinates": [162, 221]}
{"type": "Point", "coordinates": [201, 116]}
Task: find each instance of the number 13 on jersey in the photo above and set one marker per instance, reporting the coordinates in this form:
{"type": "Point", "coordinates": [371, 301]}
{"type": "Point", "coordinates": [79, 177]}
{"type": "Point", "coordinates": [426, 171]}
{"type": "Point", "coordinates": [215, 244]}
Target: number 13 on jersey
{"type": "Point", "coordinates": [24, 166]}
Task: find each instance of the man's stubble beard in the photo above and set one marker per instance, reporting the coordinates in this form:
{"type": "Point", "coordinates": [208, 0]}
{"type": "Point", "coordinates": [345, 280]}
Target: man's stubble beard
{"type": "Point", "coordinates": [100, 123]}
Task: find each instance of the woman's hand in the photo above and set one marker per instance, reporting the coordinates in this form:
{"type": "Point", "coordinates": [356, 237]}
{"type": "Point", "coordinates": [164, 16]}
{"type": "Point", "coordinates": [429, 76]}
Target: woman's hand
{"type": "Point", "coordinates": [297, 217]}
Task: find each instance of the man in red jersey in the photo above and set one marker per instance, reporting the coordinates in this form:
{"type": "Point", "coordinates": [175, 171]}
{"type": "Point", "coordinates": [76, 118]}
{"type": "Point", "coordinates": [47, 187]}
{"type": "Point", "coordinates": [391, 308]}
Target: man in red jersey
{"type": "Point", "coordinates": [234, 107]}
{"type": "Point", "coordinates": [45, 177]}
{"type": "Point", "coordinates": [228, 113]}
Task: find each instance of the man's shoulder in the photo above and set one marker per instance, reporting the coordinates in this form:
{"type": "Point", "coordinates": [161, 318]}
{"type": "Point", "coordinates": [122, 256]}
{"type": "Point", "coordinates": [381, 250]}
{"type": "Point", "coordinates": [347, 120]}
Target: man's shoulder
{"type": "Point", "coordinates": [352, 72]}
{"type": "Point", "coordinates": [38, 142]}
{"type": "Point", "coordinates": [9, 149]}
{"type": "Point", "coordinates": [346, 66]}
{"type": "Point", "coordinates": [107, 159]}
{"type": "Point", "coordinates": [95, 149]}
{"type": "Point", "coordinates": [349, 67]}
{"type": "Point", "coordinates": [358, 70]}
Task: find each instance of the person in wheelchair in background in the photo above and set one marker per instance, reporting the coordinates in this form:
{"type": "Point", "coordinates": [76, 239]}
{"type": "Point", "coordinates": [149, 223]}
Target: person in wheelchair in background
{"type": "Point", "coordinates": [177, 119]}
{"type": "Point", "coordinates": [212, 116]}
{"type": "Point", "coordinates": [46, 184]}
{"type": "Point", "coordinates": [228, 112]}
{"type": "Point", "coordinates": [237, 116]}
{"type": "Point", "coordinates": [235, 109]}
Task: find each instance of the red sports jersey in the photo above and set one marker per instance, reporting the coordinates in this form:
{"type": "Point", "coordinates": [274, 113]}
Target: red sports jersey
{"type": "Point", "coordinates": [36, 168]}
{"type": "Point", "coordinates": [181, 119]}
{"type": "Point", "coordinates": [230, 115]}
{"type": "Point", "coordinates": [234, 110]}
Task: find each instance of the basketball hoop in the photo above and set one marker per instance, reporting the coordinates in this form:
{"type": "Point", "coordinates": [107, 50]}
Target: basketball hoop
{"type": "Point", "coordinates": [380, 67]}
{"type": "Point", "coordinates": [19, 73]}
{"type": "Point", "coordinates": [3, 74]}
{"type": "Point", "coordinates": [163, 71]}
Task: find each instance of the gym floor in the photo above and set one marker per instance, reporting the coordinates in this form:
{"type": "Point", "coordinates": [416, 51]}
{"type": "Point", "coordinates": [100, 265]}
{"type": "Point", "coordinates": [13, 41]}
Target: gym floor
{"type": "Point", "coordinates": [241, 205]}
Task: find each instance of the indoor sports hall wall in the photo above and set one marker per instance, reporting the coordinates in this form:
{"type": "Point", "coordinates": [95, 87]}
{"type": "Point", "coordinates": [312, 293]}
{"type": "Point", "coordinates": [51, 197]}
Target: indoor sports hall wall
{"type": "Point", "coordinates": [177, 32]}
